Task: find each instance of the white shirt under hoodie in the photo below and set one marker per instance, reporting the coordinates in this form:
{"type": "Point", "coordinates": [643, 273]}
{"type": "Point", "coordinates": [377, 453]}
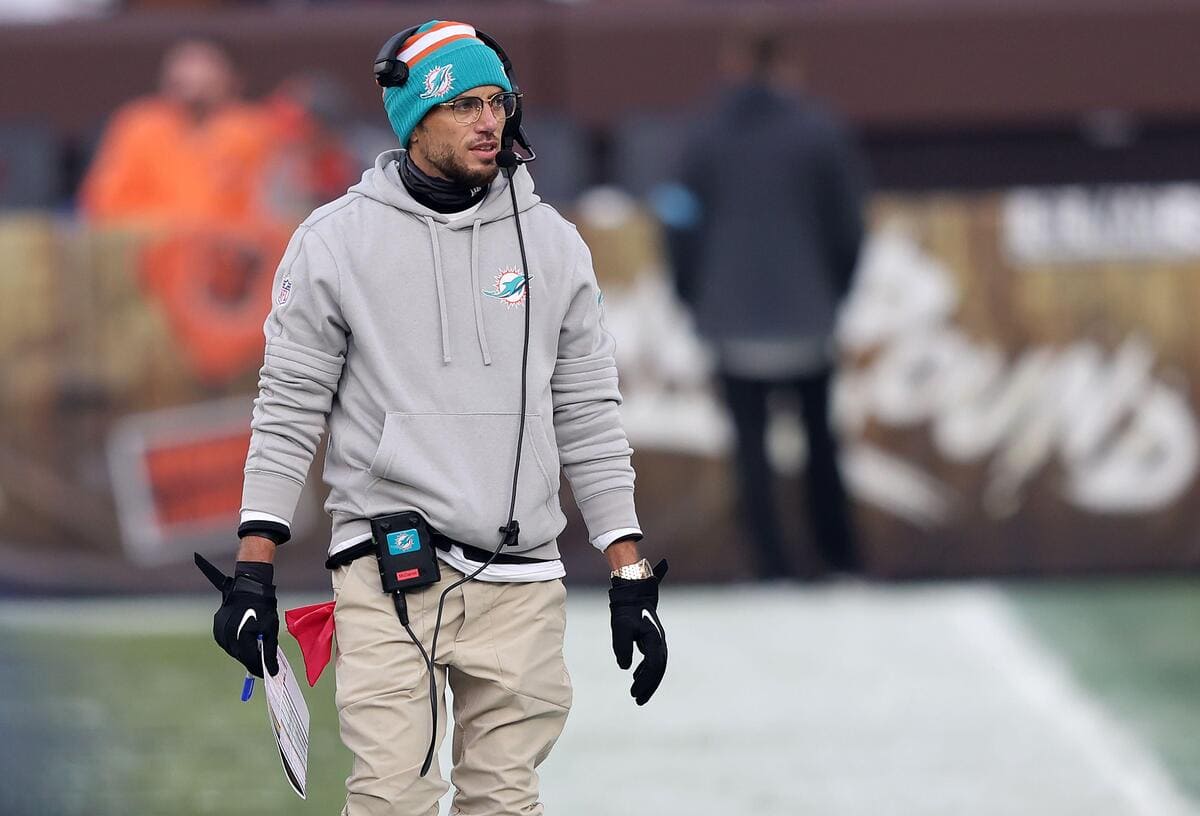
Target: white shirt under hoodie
{"type": "Point", "coordinates": [400, 329]}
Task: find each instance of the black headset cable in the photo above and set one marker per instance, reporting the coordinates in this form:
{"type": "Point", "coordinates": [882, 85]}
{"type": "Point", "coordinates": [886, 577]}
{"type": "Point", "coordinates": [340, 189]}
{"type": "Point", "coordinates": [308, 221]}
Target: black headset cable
{"type": "Point", "coordinates": [391, 72]}
{"type": "Point", "coordinates": [510, 530]}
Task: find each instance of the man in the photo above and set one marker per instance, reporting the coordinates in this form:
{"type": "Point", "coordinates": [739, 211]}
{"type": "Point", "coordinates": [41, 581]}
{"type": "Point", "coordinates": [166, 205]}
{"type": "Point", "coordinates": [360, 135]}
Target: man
{"type": "Point", "coordinates": [190, 156]}
{"type": "Point", "coordinates": [399, 323]}
{"type": "Point", "coordinates": [780, 206]}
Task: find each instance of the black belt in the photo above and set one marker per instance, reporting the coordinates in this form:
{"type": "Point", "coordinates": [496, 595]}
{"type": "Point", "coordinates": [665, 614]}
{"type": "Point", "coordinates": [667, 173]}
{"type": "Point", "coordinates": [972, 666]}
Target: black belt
{"type": "Point", "coordinates": [480, 556]}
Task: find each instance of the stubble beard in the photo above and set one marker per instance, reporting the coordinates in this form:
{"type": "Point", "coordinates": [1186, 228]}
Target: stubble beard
{"type": "Point", "coordinates": [453, 168]}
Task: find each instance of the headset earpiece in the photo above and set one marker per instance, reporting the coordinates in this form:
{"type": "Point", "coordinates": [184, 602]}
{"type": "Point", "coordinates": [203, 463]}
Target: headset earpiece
{"type": "Point", "coordinates": [390, 71]}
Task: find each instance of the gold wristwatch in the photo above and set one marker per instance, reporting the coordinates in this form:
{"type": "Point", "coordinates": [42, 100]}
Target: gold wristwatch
{"type": "Point", "coordinates": [634, 572]}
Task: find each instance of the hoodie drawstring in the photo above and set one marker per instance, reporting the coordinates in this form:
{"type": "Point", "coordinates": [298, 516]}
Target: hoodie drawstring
{"type": "Point", "coordinates": [477, 293]}
{"type": "Point", "coordinates": [441, 289]}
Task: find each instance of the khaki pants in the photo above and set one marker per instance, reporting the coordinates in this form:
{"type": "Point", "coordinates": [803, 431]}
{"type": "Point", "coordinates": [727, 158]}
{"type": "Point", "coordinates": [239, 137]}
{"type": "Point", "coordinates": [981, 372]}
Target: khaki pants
{"type": "Point", "coordinates": [500, 648]}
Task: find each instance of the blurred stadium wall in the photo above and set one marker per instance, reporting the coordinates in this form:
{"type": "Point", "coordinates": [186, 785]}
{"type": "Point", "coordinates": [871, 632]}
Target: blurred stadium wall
{"type": "Point", "coordinates": [1021, 384]}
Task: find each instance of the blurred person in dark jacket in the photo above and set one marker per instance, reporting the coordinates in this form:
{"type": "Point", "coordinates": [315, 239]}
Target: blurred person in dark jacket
{"type": "Point", "coordinates": [779, 223]}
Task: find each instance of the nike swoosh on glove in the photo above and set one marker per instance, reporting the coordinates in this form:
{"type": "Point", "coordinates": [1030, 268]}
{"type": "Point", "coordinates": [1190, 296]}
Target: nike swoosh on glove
{"type": "Point", "coordinates": [248, 609]}
{"type": "Point", "coordinates": [634, 607]}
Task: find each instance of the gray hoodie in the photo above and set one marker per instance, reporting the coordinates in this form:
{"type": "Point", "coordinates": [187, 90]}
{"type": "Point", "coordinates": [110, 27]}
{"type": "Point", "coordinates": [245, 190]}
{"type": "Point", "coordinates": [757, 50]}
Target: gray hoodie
{"type": "Point", "coordinates": [402, 330]}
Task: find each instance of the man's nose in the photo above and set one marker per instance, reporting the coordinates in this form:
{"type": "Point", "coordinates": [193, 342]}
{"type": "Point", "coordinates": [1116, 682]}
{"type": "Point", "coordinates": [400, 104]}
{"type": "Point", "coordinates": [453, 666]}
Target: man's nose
{"type": "Point", "coordinates": [487, 121]}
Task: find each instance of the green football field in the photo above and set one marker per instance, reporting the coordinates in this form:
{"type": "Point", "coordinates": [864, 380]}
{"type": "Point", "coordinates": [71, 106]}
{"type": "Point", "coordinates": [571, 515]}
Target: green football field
{"type": "Point", "coordinates": [1034, 698]}
{"type": "Point", "coordinates": [1135, 646]}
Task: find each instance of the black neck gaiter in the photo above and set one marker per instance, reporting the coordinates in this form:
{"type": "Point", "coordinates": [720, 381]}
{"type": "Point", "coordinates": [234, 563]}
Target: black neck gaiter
{"type": "Point", "coordinates": [438, 194]}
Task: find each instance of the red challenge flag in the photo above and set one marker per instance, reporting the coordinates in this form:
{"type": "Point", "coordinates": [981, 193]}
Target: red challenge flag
{"type": "Point", "coordinates": [312, 627]}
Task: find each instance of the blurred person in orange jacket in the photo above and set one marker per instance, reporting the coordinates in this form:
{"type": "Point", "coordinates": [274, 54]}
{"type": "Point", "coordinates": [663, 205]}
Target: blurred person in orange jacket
{"type": "Point", "coordinates": [188, 164]}
{"type": "Point", "coordinates": [190, 155]}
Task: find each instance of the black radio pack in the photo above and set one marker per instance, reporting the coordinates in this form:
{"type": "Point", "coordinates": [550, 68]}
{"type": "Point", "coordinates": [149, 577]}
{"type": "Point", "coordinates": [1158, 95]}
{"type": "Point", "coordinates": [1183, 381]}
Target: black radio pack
{"type": "Point", "coordinates": [404, 550]}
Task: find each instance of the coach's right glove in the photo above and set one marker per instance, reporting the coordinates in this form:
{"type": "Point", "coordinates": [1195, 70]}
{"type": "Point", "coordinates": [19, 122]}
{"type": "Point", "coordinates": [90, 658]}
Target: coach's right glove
{"type": "Point", "coordinates": [248, 609]}
{"type": "Point", "coordinates": [634, 606]}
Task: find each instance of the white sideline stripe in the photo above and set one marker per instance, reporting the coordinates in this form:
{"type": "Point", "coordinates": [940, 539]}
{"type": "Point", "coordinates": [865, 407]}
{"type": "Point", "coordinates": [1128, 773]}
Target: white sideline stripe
{"type": "Point", "coordinates": [995, 631]}
{"type": "Point", "coordinates": [432, 37]}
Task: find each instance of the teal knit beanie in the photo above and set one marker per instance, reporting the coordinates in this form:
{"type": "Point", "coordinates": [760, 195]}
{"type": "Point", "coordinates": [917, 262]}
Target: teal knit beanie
{"type": "Point", "coordinates": [444, 59]}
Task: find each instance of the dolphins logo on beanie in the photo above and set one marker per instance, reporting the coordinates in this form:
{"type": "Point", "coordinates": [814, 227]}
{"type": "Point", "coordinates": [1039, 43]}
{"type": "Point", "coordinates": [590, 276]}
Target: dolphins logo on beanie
{"type": "Point", "coordinates": [444, 59]}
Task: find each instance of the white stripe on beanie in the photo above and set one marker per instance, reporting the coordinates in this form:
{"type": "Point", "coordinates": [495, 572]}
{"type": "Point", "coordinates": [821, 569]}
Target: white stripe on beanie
{"type": "Point", "coordinates": [433, 37]}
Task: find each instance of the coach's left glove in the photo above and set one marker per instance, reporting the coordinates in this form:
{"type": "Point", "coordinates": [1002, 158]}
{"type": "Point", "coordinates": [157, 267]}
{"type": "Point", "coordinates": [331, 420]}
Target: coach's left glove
{"type": "Point", "coordinates": [248, 609]}
{"type": "Point", "coordinates": [634, 606]}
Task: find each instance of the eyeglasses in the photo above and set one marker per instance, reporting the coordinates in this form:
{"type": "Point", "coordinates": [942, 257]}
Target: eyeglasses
{"type": "Point", "coordinates": [468, 109]}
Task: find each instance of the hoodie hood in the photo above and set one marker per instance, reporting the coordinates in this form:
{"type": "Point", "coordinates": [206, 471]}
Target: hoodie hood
{"type": "Point", "coordinates": [382, 183]}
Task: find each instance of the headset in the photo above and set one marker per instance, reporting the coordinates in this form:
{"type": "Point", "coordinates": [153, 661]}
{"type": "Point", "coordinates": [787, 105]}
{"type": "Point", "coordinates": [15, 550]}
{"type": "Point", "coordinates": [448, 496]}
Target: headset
{"type": "Point", "coordinates": [391, 72]}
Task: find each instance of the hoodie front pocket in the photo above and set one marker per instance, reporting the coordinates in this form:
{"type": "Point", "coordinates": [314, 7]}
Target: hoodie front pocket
{"type": "Point", "coordinates": [457, 469]}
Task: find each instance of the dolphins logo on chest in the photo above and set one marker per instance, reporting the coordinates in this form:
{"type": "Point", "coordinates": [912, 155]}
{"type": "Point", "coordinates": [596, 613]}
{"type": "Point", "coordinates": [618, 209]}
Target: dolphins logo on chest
{"type": "Point", "coordinates": [509, 287]}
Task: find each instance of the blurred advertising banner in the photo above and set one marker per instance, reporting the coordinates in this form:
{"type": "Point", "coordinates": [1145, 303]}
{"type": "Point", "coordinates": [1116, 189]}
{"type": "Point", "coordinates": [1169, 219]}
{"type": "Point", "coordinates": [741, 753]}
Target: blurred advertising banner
{"type": "Point", "coordinates": [1020, 381]}
{"type": "Point", "coordinates": [1018, 394]}
{"type": "Point", "coordinates": [177, 475]}
{"type": "Point", "coordinates": [129, 361]}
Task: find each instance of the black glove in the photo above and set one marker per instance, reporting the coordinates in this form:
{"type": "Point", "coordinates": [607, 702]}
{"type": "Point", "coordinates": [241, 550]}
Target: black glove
{"type": "Point", "coordinates": [634, 606]}
{"type": "Point", "coordinates": [248, 609]}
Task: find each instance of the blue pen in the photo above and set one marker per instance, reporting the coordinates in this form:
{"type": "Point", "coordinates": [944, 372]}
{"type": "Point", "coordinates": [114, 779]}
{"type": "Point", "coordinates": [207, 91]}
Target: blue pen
{"type": "Point", "coordinates": [248, 683]}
